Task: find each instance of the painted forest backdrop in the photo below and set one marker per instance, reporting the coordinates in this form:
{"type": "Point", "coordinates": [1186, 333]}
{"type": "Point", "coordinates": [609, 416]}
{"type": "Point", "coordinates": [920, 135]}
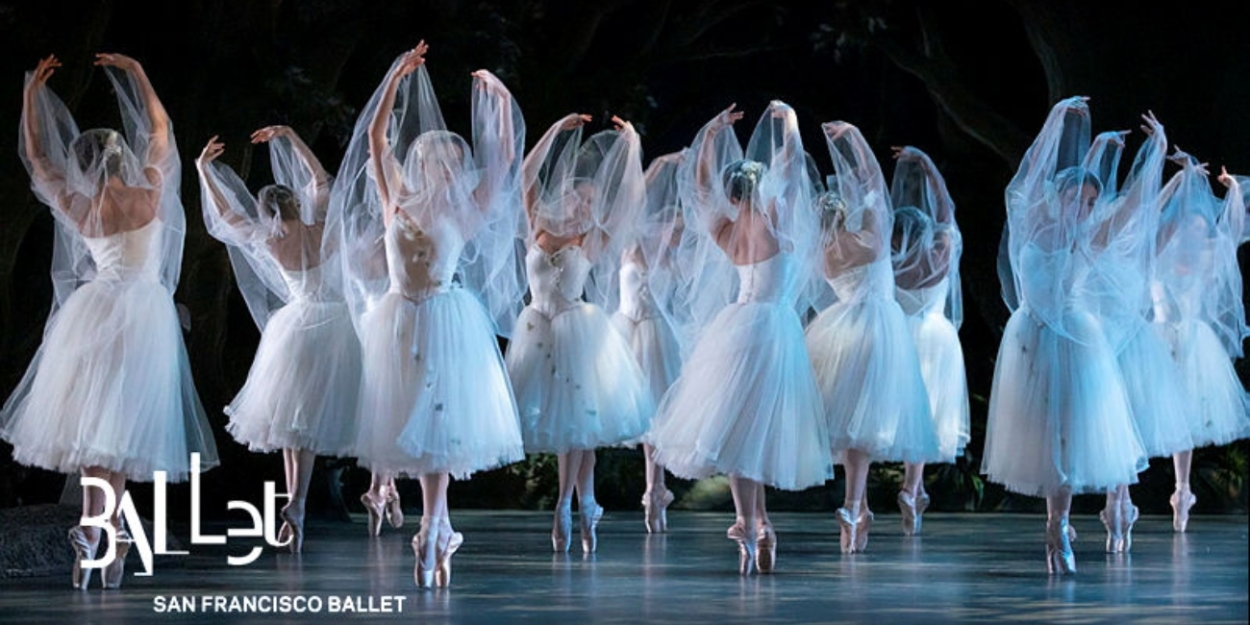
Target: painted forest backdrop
{"type": "Point", "coordinates": [968, 81]}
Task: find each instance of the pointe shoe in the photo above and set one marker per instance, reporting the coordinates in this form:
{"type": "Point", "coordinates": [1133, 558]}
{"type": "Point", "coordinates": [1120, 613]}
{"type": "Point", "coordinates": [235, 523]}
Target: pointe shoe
{"type": "Point", "coordinates": [561, 529]}
{"type": "Point", "coordinates": [590, 515]}
{"type": "Point", "coordinates": [116, 569]}
{"type": "Point", "coordinates": [1059, 557]}
{"type": "Point", "coordinates": [766, 548]}
{"type": "Point", "coordinates": [1111, 520]}
{"type": "Point", "coordinates": [84, 549]}
{"type": "Point", "coordinates": [448, 542]}
{"type": "Point", "coordinates": [394, 511]}
{"type": "Point", "coordinates": [849, 538]}
{"type": "Point", "coordinates": [922, 504]}
{"type": "Point", "coordinates": [1128, 516]}
{"type": "Point", "coordinates": [907, 506]}
{"type": "Point", "coordinates": [284, 534]}
{"type": "Point", "coordinates": [656, 510]}
{"type": "Point", "coordinates": [295, 529]}
{"type": "Point", "coordinates": [862, 526]}
{"type": "Point", "coordinates": [425, 548]}
{"type": "Point", "coordinates": [375, 506]}
{"type": "Point", "coordinates": [1182, 500]}
{"type": "Point", "coordinates": [746, 549]}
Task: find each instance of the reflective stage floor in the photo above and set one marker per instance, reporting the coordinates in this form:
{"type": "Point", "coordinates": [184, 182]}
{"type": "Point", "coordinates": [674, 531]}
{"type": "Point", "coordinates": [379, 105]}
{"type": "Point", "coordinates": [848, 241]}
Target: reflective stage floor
{"type": "Point", "coordinates": [973, 568]}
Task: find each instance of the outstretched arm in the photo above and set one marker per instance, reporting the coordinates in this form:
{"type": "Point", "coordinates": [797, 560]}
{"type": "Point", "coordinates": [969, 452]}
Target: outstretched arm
{"type": "Point", "coordinates": [158, 119]}
{"type": "Point", "coordinates": [382, 160]}
{"type": "Point", "coordinates": [214, 193]}
{"type": "Point", "coordinates": [45, 172]}
{"type": "Point", "coordinates": [319, 190]}
{"type": "Point", "coordinates": [706, 162]}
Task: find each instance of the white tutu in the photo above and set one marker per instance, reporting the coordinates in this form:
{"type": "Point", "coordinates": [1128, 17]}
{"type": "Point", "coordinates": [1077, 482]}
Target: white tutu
{"type": "Point", "coordinates": [577, 383]}
{"type": "Point", "coordinates": [746, 404]}
{"type": "Point", "coordinates": [434, 395]}
{"type": "Point", "coordinates": [1218, 410]}
{"type": "Point", "coordinates": [942, 368]}
{"type": "Point", "coordinates": [655, 347]}
{"type": "Point", "coordinates": [1156, 394]}
{"type": "Point", "coordinates": [865, 362]}
{"type": "Point", "coordinates": [1058, 414]}
{"type": "Point", "coordinates": [111, 387]}
{"type": "Point", "coordinates": [302, 390]}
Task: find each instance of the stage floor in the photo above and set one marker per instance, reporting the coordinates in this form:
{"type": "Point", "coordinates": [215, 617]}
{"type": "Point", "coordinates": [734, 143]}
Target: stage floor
{"type": "Point", "coordinates": [966, 568]}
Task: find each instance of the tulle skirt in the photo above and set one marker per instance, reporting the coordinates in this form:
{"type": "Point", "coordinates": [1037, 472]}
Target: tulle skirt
{"type": "Point", "coordinates": [578, 385]}
{"type": "Point", "coordinates": [111, 387]}
{"type": "Point", "coordinates": [865, 362]}
{"type": "Point", "coordinates": [746, 404]}
{"type": "Point", "coordinates": [655, 347]}
{"type": "Point", "coordinates": [1058, 414]}
{"type": "Point", "coordinates": [1218, 411]}
{"type": "Point", "coordinates": [304, 384]}
{"type": "Point", "coordinates": [942, 368]}
{"type": "Point", "coordinates": [1156, 393]}
{"type": "Point", "coordinates": [434, 396]}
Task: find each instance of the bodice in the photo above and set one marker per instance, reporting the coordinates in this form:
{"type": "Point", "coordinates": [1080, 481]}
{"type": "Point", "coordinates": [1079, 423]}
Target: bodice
{"type": "Point", "coordinates": [422, 261]}
{"type": "Point", "coordinates": [556, 280]}
{"type": "Point", "coordinates": [862, 281]}
{"type": "Point", "coordinates": [769, 280]}
{"type": "Point", "coordinates": [923, 301]}
{"type": "Point", "coordinates": [129, 255]}
{"type": "Point", "coordinates": [637, 302]}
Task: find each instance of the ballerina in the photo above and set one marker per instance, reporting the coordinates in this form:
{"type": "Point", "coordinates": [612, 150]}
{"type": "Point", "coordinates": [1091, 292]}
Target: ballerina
{"type": "Point", "coordinates": [1199, 312]}
{"type": "Point", "coordinates": [926, 250]}
{"type": "Point", "coordinates": [645, 315]}
{"type": "Point", "coordinates": [441, 219]}
{"type": "Point", "coordinates": [109, 394]}
{"type": "Point", "coordinates": [577, 383]}
{"type": "Point", "coordinates": [861, 347]}
{"type": "Point", "coordinates": [1120, 239]}
{"type": "Point", "coordinates": [1059, 420]}
{"type": "Point", "coordinates": [296, 398]}
{"type": "Point", "coordinates": [746, 403]}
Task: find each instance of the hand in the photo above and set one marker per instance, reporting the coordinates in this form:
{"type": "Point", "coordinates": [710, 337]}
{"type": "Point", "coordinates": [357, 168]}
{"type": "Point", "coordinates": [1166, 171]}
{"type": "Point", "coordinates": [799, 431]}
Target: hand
{"type": "Point", "coordinates": [267, 133]}
{"type": "Point", "coordinates": [211, 151]}
{"type": "Point", "coordinates": [1118, 137]}
{"type": "Point", "coordinates": [120, 61]}
{"type": "Point", "coordinates": [672, 157]}
{"type": "Point", "coordinates": [44, 70]}
{"type": "Point", "coordinates": [621, 124]}
{"type": "Point", "coordinates": [1224, 178]}
{"type": "Point", "coordinates": [833, 130]}
{"type": "Point", "coordinates": [903, 153]}
{"type": "Point", "coordinates": [777, 108]}
{"type": "Point", "coordinates": [574, 120]}
{"type": "Point", "coordinates": [412, 59]}
{"type": "Point", "coordinates": [1152, 124]}
{"type": "Point", "coordinates": [489, 82]}
{"type": "Point", "coordinates": [727, 117]}
{"type": "Point", "coordinates": [1078, 104]}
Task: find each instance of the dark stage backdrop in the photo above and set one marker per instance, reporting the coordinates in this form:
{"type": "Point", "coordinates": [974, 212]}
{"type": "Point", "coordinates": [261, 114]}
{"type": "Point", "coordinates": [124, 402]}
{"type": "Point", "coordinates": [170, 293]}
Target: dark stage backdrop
{"type": "Point", "coordinates": [968, 81]}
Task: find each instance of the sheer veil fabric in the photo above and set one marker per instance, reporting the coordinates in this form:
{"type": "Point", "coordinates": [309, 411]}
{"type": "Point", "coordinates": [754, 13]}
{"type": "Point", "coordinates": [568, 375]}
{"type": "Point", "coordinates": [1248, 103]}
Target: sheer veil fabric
{"type": "Point", "coordinates": [111, 385]}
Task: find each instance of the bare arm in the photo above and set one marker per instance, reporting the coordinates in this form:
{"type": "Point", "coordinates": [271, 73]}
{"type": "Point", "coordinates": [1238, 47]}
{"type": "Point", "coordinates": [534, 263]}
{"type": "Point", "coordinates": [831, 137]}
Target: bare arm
{"type": "Point", "coordinates": [42, 168]}
{"type": "Point", "coordinates": [158, 142]}
{"type": "Point", "coordinates": [320, 191]}
{"type": "Point", "coordinates": [211, 151]}
{"type": "Point", "coordinates": [705, 166]}
{"type": "Point", "coordinates": [382, 160]}
{"type": "Point", "coordinates": [496, 155]}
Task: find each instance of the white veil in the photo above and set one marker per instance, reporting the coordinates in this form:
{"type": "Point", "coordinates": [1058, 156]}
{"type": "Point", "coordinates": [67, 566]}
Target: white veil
{"type": "Point", "coordinates": [594, 188]}
{"type": "Point", "coordinates": [75, 165]}
{"type": "Point", "coordinates": [773, 172]}
{"type": "Point", "coordinates": [438, 176]}
{"type": "Point", "coordinates": [293, 207]}
{"type": "Point", "coordinates": [926, 238]}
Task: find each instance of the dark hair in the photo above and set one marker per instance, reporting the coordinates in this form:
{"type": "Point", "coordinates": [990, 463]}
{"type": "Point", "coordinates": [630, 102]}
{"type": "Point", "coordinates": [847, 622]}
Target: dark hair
{"type": "Point", "coordinates": [1076, 177]}
{"type": "Point", "coordinates": [741, 178]}
{"type": "Point", "coordinates": [280, 200]}
{"type": "Point", "coordinates": [99, 145]}
{"type": "Point", "coordinates": [910, 223]}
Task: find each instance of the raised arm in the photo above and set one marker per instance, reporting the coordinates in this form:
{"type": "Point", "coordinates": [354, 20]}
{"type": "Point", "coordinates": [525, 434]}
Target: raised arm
{"type": "Point", "coordinates": [534, 161]}
{"type": "Point", "coordinates": [498, 137]}
{"type": "Point", "coordinates": [708, 158]}
{"type": "Point", "coordinates": [214, 195]}
{"type": "Point", "coordinates": [382, 161]}
{"type": "Point", "coordinates": [158, 141]}
{"type": "Point", "coordinates": [47, 174]}
{"type": "Point", "coordinates": [318, 183]}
